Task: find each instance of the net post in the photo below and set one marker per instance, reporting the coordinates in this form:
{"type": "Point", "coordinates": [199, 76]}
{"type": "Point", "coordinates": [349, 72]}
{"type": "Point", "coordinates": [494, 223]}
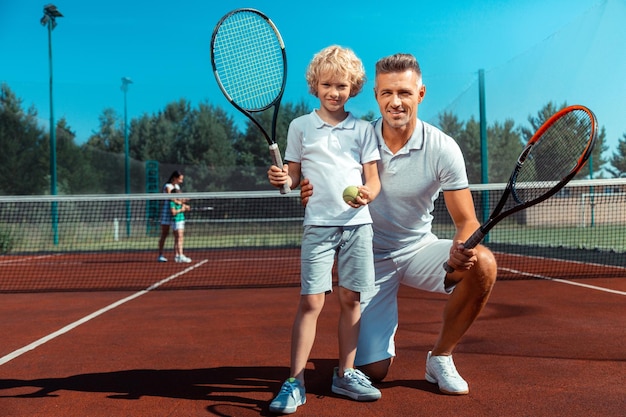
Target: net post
{"type": "Point", "coordinates": [484, 155]}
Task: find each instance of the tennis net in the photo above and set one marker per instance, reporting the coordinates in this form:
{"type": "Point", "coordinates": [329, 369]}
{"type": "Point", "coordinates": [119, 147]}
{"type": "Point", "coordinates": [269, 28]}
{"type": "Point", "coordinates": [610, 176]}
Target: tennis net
{"type": "Point", "coordinates": [252, 239]}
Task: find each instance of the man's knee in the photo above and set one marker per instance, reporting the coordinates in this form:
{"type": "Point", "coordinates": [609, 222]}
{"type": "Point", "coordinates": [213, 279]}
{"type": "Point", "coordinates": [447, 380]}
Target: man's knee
{"type": "Point", "coordinates": [486, 266]}
{"type": "Point", "coordinates": [481, 277]}
{"type": "Point", "coordinates": [377, 371]}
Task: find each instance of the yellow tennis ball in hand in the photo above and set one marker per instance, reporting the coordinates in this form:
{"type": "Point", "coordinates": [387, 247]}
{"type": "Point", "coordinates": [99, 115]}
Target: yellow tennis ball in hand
{"type": "Point", "coordinates": [350, 193]}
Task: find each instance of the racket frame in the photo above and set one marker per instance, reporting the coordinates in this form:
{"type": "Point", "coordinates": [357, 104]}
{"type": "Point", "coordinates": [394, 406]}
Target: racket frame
{"type": "Point", "coordinates": [270, 138]}
{"type": "Point", "coordinates": [497, 214]}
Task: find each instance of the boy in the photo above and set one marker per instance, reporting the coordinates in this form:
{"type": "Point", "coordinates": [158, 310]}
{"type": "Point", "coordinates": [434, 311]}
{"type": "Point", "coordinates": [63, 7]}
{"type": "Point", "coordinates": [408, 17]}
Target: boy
{"type": "Point", "coordinates": [338, 150]}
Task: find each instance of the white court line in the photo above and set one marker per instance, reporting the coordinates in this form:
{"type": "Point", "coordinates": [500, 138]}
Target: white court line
{"type": "Point", "coordinates": [566, 261]}
{"type": "Point", "coordinates": [564, 281]}
{"type": "Point", "coordinates": [93, 315]}
{"type": "Point", "coordinates": [27, 259]}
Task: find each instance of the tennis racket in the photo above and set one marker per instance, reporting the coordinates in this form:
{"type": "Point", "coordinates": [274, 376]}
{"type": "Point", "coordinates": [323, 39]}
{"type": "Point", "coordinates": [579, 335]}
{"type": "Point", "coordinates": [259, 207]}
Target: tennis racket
{"type": "Point", "coordinates": [552, 157]}
{"type": "Point", "coordinates": [250, 66]}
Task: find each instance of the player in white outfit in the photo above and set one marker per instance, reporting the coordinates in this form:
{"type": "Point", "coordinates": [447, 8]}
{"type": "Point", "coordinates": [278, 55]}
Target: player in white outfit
{"type": "Point", "coordinates": [417, 162]}
{"type": "Point", "coordinates": [335, 150]}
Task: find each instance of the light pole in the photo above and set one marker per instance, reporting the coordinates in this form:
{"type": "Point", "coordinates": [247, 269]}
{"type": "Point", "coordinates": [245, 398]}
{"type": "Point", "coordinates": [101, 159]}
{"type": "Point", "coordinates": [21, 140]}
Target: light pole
{"type": "Point", "coordinates": [50, 13]}
{"type": "Point", "coordinates": [125, 82]}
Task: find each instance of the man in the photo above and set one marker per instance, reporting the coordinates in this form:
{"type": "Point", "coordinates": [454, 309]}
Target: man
{"type": "Point", "coordinates": [417, 161]}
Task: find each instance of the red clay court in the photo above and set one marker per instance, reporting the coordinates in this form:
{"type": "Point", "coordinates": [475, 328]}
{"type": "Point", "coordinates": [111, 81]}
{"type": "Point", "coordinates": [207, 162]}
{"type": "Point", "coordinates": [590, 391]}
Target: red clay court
{"type": "Point", "coordinates": [541, 347]}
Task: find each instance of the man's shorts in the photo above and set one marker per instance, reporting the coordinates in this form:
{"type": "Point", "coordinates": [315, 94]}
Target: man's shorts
{"type": "Point", "coordinates": [416, 266]}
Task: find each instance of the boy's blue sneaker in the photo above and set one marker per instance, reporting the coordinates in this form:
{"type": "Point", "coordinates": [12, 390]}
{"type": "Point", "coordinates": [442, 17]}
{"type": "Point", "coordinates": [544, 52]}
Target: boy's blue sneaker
{"type": "Point", "coordinates": [355, 385]}
{"type": "Point", "coordinates": [291, 395]}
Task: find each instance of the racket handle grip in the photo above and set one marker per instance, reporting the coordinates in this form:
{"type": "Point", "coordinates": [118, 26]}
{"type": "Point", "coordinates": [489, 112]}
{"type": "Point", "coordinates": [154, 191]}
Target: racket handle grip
{"type": "Point", "coordinates": [474, 239]}
{"type": "Point", "coordinates": [278, 161]}
{"type": "Point", "coordinates": [470, 243]}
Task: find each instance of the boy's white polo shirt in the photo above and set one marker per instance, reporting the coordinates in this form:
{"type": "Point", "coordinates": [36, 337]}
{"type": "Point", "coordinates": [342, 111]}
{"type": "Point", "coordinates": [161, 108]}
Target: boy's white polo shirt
{"type": "Point", "coordinates": [332, 158]}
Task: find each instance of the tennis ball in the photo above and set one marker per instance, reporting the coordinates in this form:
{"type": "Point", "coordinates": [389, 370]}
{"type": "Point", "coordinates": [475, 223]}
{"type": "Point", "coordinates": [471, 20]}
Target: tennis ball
{"type": "Point", "coordinates": [350, 193]}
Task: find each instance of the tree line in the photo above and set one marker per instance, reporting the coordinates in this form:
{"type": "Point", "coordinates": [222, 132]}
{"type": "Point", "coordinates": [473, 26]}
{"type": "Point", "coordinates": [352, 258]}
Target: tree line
{"type": "Point", "coordinates": [215, 155]}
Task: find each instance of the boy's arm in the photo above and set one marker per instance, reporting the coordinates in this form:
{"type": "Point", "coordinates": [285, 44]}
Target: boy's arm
{"type": "Point", "coordinates": [371, 187]}
{"type": "Point", "coordinates": [290, 174]}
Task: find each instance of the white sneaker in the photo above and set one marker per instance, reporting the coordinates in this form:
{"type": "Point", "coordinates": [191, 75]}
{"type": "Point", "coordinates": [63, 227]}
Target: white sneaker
{"type": "Point", "coordinates": [354, 384]}
{"type": "Point", "coordinates": [440, 370]}
{"type": "Point", "coordinates": [162, 258]}
{"type": "Point", "coordinates": [182, 258]}
{"type": "Point", "coordinates": [291, 396]}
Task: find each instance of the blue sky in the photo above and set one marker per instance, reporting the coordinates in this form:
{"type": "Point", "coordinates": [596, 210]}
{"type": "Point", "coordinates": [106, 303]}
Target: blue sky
{"type": "Point", "coordinates": [532, 51]}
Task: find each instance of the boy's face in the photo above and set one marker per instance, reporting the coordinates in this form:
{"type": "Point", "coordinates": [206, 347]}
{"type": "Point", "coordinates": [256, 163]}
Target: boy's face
{"type": "Point", "coordinates": [333, 91]}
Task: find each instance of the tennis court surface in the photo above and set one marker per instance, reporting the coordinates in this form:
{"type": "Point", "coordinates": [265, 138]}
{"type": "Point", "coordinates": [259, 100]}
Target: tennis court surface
{"type": "Point", "coordinates": [94, 326]}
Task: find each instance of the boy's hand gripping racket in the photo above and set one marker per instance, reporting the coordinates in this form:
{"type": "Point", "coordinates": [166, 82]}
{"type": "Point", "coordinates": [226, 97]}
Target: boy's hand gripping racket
{"type": "Point", "coordinates": [552, 157]}
{"type": "Point", "coordinates": [250, 66]}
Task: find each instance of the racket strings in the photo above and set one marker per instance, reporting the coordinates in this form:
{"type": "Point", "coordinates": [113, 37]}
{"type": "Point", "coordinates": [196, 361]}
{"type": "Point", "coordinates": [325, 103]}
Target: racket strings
{"type": "Point", "coordinates": [249, 62]}
{"type": "Point", "coordinates": [556, 154]}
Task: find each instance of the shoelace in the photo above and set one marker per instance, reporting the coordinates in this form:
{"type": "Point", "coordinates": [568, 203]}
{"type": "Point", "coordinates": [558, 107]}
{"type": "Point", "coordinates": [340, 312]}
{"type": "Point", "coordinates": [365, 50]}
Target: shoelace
{"type": "Point", "coordinates": [359, 376]}
{"type": "Point", "coordinates": [288, 387]}
{"type": "Point", "coordinates": [448, 369]}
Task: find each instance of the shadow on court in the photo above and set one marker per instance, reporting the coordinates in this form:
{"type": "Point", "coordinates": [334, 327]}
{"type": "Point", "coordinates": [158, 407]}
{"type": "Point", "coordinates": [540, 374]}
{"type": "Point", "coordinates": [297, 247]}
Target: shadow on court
{"type": "Point", "coordinates": [538, 349]}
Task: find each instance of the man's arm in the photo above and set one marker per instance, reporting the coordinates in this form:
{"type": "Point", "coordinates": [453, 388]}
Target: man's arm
{"type": "Point", "coordinates": [306, 191]}
{"type": "Point", "coordinates": [461, 208]}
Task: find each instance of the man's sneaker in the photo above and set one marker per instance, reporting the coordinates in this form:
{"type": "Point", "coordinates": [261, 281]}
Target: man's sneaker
{"type": "Point", "coordinates": [355, 385]}
{"type": "Point", "coordinates": [162, 258]}
{"type": "Point", "coordinates": [440, 370]}
{"type": "Point", "coordinates": [182, 258]}
{"type": "Point", "coordinates": [291, 396]}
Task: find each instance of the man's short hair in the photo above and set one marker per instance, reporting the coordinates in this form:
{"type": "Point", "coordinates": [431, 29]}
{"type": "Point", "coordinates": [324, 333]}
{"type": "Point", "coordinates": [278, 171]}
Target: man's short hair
{"type": "Point", "coordinates": [398, 63]}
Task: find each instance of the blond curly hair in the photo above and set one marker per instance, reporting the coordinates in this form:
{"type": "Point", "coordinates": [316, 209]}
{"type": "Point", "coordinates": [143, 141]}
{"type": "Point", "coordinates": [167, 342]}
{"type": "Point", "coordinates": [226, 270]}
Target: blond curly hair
{"type": "Point", "coordinates": [338, 61]}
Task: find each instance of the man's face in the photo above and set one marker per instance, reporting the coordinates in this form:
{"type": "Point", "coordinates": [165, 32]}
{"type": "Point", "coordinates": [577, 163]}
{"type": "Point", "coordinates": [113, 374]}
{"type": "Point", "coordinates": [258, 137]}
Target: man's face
{"type": "Point", "coordinates": [398, 94]}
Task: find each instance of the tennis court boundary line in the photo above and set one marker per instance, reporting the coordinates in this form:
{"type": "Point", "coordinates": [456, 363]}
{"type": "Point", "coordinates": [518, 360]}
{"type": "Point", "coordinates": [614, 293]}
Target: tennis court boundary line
{"type": "Point", "coordinates": [71, 326]}
{"type": "Point", "coordinates": [27, 259]}
{"type": "Point", "coordinates": [516, 255]}
{"type": "Point", "coordinates": [563, 281]}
